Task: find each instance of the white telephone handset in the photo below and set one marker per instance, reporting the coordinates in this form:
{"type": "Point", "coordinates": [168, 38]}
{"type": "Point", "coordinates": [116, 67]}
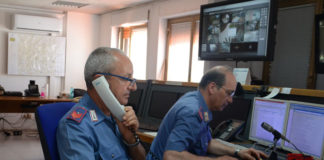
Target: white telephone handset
{"type": "Point", "coordinates": [102, 87]}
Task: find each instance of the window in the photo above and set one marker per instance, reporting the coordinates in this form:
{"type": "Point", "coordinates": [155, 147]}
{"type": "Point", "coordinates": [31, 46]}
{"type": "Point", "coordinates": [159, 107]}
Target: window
{"type": "Point", "coordinates": [133, 41]}
{"type": "Point", "coordinates": [182, 62]}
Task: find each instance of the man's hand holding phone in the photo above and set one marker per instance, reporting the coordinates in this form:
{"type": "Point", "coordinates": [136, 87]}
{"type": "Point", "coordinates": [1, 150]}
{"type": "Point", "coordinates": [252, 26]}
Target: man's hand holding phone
{"type": "Point", "coordinates": [130, 119]}
{"type": "Point", "coordinates": [129, 125]}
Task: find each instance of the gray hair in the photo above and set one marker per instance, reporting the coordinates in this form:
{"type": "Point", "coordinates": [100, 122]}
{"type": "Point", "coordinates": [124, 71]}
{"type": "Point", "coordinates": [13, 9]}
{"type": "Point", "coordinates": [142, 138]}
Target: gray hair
{"type": "Point", "coordinates": [101, 60]}
{"type": "Point", "coordinates": [215, 74]}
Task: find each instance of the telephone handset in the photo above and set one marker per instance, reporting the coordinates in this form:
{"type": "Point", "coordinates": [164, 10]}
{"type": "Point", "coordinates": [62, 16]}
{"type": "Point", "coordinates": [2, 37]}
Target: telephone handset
{"type": "Point", "coordinates": [227, 130]}
{"type": "Point", "coordinates": [102, 87]}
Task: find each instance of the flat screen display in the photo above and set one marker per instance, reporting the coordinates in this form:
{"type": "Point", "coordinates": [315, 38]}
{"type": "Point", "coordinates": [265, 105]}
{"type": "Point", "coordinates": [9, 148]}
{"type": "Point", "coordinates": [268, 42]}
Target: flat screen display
{"type": "Point", "coordinates": [159, 99]}
{"type": "Point", "coordinates": [305, 128]}
{"type": "Point", "coordinates": [238, 30]}
{"type": "Point", "coordinates": [161, 102]}
{"type": "Point", "coordinates": [271, 111]}
{"type": "Point", "coordinates": [136, 98]}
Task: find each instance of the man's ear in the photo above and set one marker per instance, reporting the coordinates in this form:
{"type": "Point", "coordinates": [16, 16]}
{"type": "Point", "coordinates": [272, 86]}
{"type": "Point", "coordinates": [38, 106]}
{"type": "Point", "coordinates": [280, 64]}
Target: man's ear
{"type": "Point", "coordinates": [212, 88]}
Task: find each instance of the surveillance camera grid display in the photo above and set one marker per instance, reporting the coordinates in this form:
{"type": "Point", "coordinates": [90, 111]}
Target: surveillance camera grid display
{"type": "Point", "coordinates": [235, 30]}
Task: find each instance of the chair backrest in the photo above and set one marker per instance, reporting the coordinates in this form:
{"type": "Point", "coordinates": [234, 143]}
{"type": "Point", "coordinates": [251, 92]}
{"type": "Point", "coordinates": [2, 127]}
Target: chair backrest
{"type": "Point", "coordinates": [47, 118]}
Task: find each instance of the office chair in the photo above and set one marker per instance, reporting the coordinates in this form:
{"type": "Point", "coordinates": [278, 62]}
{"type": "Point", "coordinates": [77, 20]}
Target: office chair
{"type": "Point", "coordinates": [47, 117]}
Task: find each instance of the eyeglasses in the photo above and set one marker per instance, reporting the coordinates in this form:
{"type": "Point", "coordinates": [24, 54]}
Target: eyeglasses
{"type": "Point", "coordinates": [229, 92]}
{"type": "Point", "coordinates": [132, 81]}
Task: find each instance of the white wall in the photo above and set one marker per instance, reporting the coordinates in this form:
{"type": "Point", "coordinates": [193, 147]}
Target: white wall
{"type": "Point", "coordinates": [105, 30]}
{"type": "Point", "coordinates": [82, 38]}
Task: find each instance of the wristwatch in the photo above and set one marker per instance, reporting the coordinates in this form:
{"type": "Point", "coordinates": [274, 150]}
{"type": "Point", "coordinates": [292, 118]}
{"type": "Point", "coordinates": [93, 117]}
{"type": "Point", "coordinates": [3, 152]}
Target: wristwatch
{"type": "Point", "coordinates": [236, 153]}
{"type": "Point", "coordinates": [134, 144]}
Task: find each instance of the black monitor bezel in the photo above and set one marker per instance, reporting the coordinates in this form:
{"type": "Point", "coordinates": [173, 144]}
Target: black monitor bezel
{"type": "Point", "coordinates": [144, 86]}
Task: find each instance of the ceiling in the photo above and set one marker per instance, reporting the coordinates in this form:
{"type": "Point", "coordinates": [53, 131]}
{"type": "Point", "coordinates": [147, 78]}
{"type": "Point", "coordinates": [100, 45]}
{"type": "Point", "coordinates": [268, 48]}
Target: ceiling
{"type": "Point", "coordinates": [92, 7]}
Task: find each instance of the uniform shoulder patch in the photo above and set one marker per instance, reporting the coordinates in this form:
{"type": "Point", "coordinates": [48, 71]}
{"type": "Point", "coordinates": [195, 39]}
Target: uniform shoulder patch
{"type": "Point", "coordinates": [77, 114]}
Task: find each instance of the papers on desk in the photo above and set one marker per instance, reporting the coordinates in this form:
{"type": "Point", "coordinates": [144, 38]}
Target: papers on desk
{"type": "Point", "coordinates": [151, 133]}
{"type": "Point", "coordinates": [273, 93]}
{"type": "Point", "coordinates": [242, 75]}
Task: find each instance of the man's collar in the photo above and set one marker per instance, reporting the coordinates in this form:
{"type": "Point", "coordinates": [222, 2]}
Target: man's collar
{"type": "Point", "coordinates": [91, 106]}
{"type": "Point", "coordinates": [204, 112]}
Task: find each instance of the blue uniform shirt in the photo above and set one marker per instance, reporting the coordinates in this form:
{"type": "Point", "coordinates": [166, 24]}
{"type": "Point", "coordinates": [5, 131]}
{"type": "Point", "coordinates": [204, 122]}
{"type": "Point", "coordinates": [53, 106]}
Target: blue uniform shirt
{"type": "Point", "coordinates": [86, 133]}
{"type": "Point", "coordinates": [184, 127]}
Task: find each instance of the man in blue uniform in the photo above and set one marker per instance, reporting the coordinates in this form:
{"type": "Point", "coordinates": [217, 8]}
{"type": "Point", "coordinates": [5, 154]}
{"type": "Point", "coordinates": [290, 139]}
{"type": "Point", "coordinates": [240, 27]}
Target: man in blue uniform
{"type": "Point", "coordinates": [89, 131]}
{"type": "Point", "coordinates": [184, 132]}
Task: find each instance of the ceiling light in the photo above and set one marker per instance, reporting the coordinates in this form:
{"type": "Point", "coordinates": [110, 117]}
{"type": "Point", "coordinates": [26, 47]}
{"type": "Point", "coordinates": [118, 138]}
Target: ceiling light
{"type": "Point", "coordinates": [69, 4]}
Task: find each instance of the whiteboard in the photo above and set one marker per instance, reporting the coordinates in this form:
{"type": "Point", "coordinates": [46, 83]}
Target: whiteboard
{"type": "Point", "coordinates": [30, 54]}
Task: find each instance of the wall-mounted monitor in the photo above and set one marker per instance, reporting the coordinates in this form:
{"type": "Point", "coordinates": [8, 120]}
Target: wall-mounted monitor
{"type": "Point", "coordinates": [271, 111]}
{"type": "Point", "coordinates": [305, 128]}
{"type": "Point", "coordinates": [238, 30]}
{"type": "Point", "coordinates": [160, 98]}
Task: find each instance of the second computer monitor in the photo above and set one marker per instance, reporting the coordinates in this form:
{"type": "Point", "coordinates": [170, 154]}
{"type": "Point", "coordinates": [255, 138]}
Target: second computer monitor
{"type": "Point", "coordinates": [305, 128]}
{"type": "Point", "coordinates": [137, 98]}
{"type": "Point", "coordinates": [160, 98]}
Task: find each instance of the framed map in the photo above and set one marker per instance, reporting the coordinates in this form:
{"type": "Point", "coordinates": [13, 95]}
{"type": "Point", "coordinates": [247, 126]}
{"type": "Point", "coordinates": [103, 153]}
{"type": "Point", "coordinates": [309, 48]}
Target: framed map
{"type": "Point", "coordinates": [30, 54]}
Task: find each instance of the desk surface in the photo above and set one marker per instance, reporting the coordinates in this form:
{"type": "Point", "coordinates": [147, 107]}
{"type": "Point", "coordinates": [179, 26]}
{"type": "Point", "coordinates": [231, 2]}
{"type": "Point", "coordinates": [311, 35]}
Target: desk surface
{"type": "Point", "coordinates": [147, 138]}
{"type": "Point", "coordinates": [12, 104]}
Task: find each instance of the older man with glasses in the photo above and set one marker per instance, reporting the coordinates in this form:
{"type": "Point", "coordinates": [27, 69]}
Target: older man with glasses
{"type": "Point", "coordinates": [89, 130]}
{"type": "Point", "coordinates": [184, 131]}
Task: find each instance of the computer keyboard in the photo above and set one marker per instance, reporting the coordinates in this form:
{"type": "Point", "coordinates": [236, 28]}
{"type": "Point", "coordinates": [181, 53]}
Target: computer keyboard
{"type": "Point", "coordinates": [231, 144]}
{"type": "Point", "coordinates": [245, 146]}
{"type": "Point", "coordinates": [266, 150]}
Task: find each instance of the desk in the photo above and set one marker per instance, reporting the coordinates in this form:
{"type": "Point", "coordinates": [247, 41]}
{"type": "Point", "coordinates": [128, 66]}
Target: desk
{"type": "Point", "coordinates": [11, 104]}
{"type": "Point", "coordinates": [147, 138]}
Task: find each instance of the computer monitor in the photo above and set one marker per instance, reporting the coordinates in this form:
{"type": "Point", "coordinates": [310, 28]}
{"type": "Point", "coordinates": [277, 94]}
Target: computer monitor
{"type": "Point", "coordinates": [271, 111]}
{"type": "Point", "coordinates": [305, 128]}
{"type": "Point", "coordinates": [137, 98]}
{"type": "Point", "coordinates": [160, 98]}
{"type": "Point", "coordinates": [160, 106]}
{"type": "Point", "coordinates": [238, 110]}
